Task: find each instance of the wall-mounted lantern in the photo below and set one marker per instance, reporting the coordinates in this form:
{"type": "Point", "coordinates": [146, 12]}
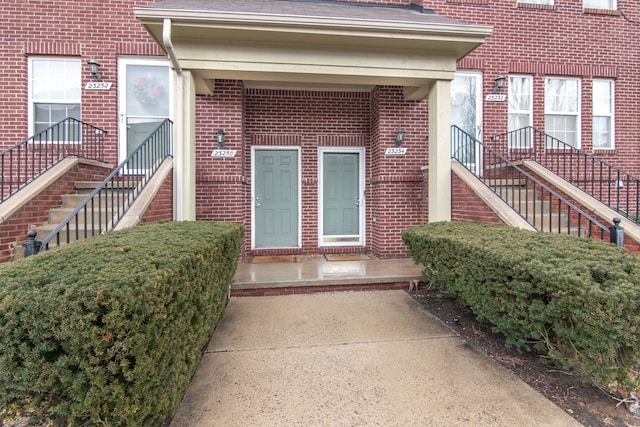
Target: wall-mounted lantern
{"type": "Point", "coordinates": [399, 137]}
{"type": "Point", "coordinates": [220, 138]}
{"type": "Point", "coordinates": [93, 68]}
{"type": "Point", "coordinates": [499, 83]}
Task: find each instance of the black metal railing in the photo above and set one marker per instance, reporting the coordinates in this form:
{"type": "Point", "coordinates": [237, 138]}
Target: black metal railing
{"type": "Point", "coordinates": [26, 161]}
{"type": "Point", "coordinates": [539, 205]}
{"type": "Point", "coordinates": [105, 206]}
{"type": "Point", "coordinates": [611, 185]}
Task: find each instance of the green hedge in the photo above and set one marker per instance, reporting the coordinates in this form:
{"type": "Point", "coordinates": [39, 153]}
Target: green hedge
{"type": "Point", "coordinates": [575, 300]}
{"type": "Point", "coordinates": [109, 331]}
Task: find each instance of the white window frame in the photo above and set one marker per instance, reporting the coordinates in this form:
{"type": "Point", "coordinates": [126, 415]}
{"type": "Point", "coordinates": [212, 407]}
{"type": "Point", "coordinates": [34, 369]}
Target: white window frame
{"type": "Point", "coordinates": [529, 111]}
{"type": "Point", "coordinates": [589, 4]}
{"type": "Point", "coordinates": [33, 100]}
{"type": "Point", "coordinates": [610, 114]}
{"type": "Point", "coordinates": [576, 114]}
{"type": "Point", "coordinates": [547, 2]}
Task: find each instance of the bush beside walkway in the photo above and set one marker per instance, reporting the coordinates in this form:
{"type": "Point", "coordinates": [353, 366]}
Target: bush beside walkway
{"type": "Point", "coordinates": [574, 300]}
{"type": "Point", "coordinates": [109, 331]}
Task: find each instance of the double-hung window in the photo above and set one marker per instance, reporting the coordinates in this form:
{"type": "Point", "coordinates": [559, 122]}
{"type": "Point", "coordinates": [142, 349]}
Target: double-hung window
{"type": "Point", "coordinates": [562, 111]}
{"type": "Point", "coordinates": [520, 111]}
{"type": "Point", "coordinates": [600, 4]}
{"type": "Point", "coordinates": [603, 114]}
{"type": "Point", "coordinates": [54, 91]}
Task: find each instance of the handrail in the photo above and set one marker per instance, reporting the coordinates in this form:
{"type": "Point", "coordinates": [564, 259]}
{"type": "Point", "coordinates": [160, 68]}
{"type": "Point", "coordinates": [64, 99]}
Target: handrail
{"type": "Point", "coordinates": [554, 214]}
{"type": "Point", "coordinates": [611, 185]}
{"type": "Point", "coordinates": [24, 162]}
{"type": "Point", "coordinates": [103, 209]}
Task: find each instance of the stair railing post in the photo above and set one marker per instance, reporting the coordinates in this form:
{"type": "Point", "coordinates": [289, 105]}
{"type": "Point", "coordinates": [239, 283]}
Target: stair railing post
{"type": "Point", "coordinates": [616, 233]}
{"type": "Point", "coordinates": [31, 246]}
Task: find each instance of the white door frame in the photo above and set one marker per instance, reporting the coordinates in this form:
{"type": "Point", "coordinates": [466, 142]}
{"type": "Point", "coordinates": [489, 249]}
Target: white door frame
{"type": "Point", "coordinates": [362, 207]}
{"type": "Point", "coordinates": [253, 190]}
{"type": "Point", "coordinates": [479, 112]}
{"type": "Point", "coordinates": [123, 61]}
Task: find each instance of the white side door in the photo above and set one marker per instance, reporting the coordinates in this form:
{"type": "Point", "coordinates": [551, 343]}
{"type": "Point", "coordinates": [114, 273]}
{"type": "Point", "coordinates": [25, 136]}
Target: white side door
{"type": "Point", "coordinates": [466, 112]}
{"type": "Point", "coordinates": [144, 100]}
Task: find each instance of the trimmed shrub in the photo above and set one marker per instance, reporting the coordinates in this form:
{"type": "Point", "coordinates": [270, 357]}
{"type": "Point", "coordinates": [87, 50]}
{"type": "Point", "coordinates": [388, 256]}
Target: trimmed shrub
{"type": "Point", "coordinates": [575, 300]}
{"type": "Point", "coordinates": [109, 331]}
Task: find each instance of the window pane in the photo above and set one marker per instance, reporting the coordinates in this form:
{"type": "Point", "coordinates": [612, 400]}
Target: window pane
{"type": "Point", "coordinates": [563, 128]}
{"type": "Point", "coordinates": [56, 79]}
{"type": "Point", "coordinates": [148, 91]}
{"type": "Point", "coordinates": [602, 91]}
{"type": "Point", "coordinates": [561, 95]}
{"type": "Point", "coordinates": [519, 93]}
{"type": "Point", "coordinates": [518, 121]}
{"type": "Point", "coordinates": [601, 132]}
{"type": "Point", "coordinates": [46, 115]}
{"type": "Point", "coordinates": [600, 4]}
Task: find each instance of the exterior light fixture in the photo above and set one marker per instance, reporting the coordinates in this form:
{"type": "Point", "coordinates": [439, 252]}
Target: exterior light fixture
{"type": "Point", "coordinates": [619, 184]}
{"type": "Point", "coordinates": [93, 67]}
{"type": "Point", "coordinates": [499, 83]}
{"type": "Point", "coordinates": [399, 137]}
{"type": "Point", "coordinates": [220, 138]}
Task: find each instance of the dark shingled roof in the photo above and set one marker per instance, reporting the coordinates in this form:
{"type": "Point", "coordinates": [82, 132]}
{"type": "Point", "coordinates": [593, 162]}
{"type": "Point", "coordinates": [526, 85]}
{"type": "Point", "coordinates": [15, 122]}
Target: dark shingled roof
{"type": "Point", "coordinates": [308, 8]}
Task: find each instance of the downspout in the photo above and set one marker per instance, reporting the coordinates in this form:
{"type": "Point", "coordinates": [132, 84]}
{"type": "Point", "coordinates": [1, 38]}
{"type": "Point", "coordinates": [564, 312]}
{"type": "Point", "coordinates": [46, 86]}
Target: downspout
{"type": "Point", "coordinates": [178, 211]}
{"type": "Point", "coordinates": [168, 44]}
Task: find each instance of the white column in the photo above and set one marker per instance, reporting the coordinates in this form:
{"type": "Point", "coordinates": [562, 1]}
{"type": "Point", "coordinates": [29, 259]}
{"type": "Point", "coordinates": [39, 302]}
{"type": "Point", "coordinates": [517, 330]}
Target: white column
{"type": "Point", "coordinates": [184, 152]}
{"type": "Point", "coordinates": [440, 151]}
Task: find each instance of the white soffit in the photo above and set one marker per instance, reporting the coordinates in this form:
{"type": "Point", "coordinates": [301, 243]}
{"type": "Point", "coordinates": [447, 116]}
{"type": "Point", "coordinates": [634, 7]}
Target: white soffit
{"type": "Point", "coordinates": [309, 48]}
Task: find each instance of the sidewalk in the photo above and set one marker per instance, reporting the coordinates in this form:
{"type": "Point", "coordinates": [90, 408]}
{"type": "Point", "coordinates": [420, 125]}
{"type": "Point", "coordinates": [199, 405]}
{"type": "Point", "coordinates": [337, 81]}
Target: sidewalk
{"type": "Point", "coordinates": [351, 359]}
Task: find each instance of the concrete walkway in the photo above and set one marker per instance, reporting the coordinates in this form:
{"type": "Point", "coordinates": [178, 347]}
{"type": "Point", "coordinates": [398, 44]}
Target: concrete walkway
{"type": "Point", "coordinates": [351, 359]}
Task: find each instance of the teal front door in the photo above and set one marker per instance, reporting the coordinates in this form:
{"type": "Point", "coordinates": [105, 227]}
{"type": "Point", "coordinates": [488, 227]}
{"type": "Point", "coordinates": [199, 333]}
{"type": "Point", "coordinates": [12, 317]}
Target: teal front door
{"type": "Point", "coordinates": [342, 200]}
{"type": "Point", "coordinates": [275, 201]}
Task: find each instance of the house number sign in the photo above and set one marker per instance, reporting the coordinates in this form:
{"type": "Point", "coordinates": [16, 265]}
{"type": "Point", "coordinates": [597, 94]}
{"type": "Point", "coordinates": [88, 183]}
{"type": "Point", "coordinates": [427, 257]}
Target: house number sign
{"type": "Point", "coordinates": [223, 153]}
{"type": "Point", "coordinates": [496, 97]}
{"type": "Point", "coordinates": [98, 85]}
{"type": "Point", "coordinates": [396, 151]}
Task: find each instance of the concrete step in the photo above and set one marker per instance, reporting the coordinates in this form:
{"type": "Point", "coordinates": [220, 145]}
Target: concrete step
{"type": "Point", "coordinates": [57, 215]}
{"type": "Point", "coordinates": [86, 187]}
{"type": "Point", "coordinates": [75, 233]}
{"type": "Point", "coordinates": [107, 198]}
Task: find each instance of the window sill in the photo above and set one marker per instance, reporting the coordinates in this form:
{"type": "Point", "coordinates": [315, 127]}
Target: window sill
{"type": "Point", "coordinates": [610, 12]}
{"type": "Point", "coordinates": [604, 151]}
{"type": "Point", "coordinates": [472, 2]}
{"type": "Point", "coordinates": [536, 6]}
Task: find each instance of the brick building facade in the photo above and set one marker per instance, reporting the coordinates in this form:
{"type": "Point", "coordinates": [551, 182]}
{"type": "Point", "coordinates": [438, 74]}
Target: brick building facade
{"type": "Point", "coordinates": [323, 86]}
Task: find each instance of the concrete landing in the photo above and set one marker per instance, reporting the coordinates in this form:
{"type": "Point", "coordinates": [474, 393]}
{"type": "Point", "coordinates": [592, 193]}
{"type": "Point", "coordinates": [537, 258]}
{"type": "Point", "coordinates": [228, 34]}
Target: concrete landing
{"type": "Point", "coordinates": [351, 359]}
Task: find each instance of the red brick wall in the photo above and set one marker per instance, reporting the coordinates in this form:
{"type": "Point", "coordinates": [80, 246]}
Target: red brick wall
{"type": "Point", "coordinates": [310, 120]}
{"type": "Point", "coordinates": [396, 181]}
{"type": "Point", "coordinates": [161, 208]}
{"type": "Point", "coordinates": [222, 191]}
{"type": "Point", "coordinates": [559, 40]}
{"type": "Point", "coordinates": [14, 230]}
{"type": "Point", "coordinates": [467, 206]}
{"type": "Point", "coordinates": [82, 29]}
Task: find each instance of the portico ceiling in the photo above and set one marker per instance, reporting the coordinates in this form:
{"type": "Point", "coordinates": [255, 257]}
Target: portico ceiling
{"type": "Point", "coordinates": [310, 44]}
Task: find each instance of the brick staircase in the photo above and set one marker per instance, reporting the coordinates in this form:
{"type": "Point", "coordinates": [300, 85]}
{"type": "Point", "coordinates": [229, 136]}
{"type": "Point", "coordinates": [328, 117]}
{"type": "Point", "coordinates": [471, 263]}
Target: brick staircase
{"type": "Point", "coordinates": [111, 198]}
{"type": "Point", "coordinates": [540, 212]}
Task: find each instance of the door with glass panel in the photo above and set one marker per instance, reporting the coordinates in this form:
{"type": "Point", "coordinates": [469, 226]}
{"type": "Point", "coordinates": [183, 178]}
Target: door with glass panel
{"type": "Point", "coordinates": [466, 113]}
{"type": "Point", "coordinates": [520, 112]}
{"type": "Point", "coordinates": [144, 100]}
